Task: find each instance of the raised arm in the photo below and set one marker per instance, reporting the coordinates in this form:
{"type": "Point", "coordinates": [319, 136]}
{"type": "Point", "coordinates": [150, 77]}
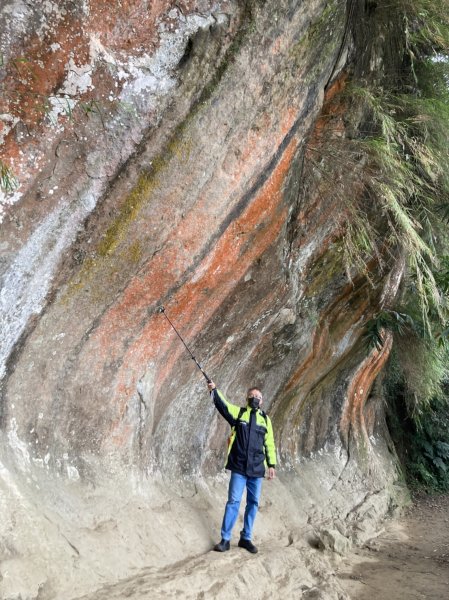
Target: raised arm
{"type": "Point", "coordinates": [227, 410]}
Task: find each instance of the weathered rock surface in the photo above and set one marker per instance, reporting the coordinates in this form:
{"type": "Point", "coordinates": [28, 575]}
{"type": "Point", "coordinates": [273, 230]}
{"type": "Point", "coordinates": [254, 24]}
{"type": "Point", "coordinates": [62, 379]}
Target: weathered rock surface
{"type": "Point", "coordinates": [164, 156]}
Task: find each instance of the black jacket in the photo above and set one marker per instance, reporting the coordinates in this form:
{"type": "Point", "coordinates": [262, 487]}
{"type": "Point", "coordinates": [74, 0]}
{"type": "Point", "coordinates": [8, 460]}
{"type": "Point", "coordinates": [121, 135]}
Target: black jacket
{"type": "Point", "coordinates": [251, 443]}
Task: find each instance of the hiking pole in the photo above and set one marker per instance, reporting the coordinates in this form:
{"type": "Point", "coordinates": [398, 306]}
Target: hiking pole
{"type": "Point", "coordinates": [161, 309]}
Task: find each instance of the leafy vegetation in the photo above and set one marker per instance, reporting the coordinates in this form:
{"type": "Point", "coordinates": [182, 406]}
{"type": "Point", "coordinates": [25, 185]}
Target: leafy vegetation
{"type": "Point", "coordinates": [421, 438]}
{"type": "Point", "coordinates": [8, 181]}
{"type": "Point", "coordinates": [386, 320]}
{"type": "Point", "coordinates": [404, 151]}
{"type": "Point", "coordinates": [417, 386]}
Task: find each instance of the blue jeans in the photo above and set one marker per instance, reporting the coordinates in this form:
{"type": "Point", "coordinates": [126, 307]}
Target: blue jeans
{"type": "Point", "coordinates": [236, 486]}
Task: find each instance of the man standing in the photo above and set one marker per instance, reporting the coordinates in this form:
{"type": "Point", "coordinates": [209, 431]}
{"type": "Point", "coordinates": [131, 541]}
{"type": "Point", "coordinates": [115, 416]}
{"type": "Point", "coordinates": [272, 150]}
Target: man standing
{"type": "Point", "coordinates": [250, 449]}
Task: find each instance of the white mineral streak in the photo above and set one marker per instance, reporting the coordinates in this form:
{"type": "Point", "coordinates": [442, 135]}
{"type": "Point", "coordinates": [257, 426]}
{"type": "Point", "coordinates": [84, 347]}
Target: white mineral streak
{"type": "Point", "coordinates": [7, 481]}
{"type": "Point", "coordinates": [18, 447]}
{"type": "Point", "coordinates": [347, 341]}
{"type": "Point", "coordinates": [26, 283]}
{"type": "Point", "coordinates": [8, 123]}
{"type": "Point", "coordinates": [8, 200]}
{"type": "Point", "coordinates": [72, 473]}
{"type": "Point", "coordinates": [21, 12]}
{"type": "Point", "coordinates": [59, 106]}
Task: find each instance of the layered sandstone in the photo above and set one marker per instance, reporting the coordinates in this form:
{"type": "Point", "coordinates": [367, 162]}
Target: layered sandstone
{"type": "Point", "coordinates": [166, 153]}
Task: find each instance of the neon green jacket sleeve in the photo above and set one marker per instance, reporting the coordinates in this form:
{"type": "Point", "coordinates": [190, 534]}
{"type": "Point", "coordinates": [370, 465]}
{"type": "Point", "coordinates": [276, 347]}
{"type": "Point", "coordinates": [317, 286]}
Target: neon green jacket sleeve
{"type": "Point", "coordinates": [227, 410]}
{"type": "Point", "coordinates": [270, 449]}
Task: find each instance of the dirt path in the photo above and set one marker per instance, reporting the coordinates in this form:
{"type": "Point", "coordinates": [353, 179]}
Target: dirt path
{"type": "Point", "coordinates": [409, 561]}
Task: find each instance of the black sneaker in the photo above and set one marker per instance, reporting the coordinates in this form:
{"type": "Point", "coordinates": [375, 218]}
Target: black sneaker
{"type": "Point", "coordinates": [222, 546]}
{"type": "Point", "coordinates": [248, 545]}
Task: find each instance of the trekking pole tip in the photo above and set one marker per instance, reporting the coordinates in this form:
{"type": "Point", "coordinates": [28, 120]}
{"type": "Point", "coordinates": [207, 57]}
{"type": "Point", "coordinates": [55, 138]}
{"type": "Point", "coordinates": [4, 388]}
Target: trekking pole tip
{"type": "Point", "coordinates": [160, 309]}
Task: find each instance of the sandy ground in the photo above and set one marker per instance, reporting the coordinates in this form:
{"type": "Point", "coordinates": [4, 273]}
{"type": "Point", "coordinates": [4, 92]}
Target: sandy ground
{"type": "Point", "coordinates": [409, 561]}
{"type": "Point", "coordinates": [277, 572]}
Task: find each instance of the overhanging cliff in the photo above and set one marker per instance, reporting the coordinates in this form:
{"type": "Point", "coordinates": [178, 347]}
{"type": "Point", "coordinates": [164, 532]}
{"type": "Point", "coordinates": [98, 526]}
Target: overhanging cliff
{"type": "Point", "coordinates": [186, 154]}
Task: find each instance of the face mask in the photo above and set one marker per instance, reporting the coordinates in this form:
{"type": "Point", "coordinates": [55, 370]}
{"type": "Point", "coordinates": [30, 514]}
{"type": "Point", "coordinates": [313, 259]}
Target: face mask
{"type": "Point", "coordinates": [253, 402]}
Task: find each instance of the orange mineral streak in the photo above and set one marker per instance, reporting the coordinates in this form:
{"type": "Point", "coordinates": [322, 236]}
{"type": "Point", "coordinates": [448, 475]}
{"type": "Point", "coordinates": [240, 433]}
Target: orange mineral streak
{"type": "Point", "coordinates": [353, 416]}
{"type": "Point", "coordinates": [336, 318]}
{"type": "Point", "coordinates": [329, 125]}
{"type": "Point", "coordinates": [167, 267]}
{"type": "Point", "coordinates": [214, 279]}
{"type": "Point", "coordinates": [331, 116]}
{"type": "Point", "coordinates": [322, 357]}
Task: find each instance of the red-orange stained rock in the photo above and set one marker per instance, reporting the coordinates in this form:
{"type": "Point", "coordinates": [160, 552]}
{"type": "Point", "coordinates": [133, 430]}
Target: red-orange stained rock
{"type": "Point", "coordinates": [128, 26]}
{"type": "Point", "coordinates": [353, 418]}
{"type": "Point", "coordinates": [330, 122]}
{"type": "Point", "coordinates": [164, 270]}
{"type": "Point", "coordinates": [219, 272]}
{"type": "Point", "coordinates": [28, 84]}
{"type": "Point", "coordinates": [321, 350]}
{"type": "Point", "coordinates": [38, 68]}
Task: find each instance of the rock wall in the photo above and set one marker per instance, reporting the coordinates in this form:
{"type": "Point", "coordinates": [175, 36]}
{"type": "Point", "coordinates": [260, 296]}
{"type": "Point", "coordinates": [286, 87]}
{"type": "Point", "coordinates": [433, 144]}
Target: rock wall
{"type": "Point", "coordinates": [167, 153]}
